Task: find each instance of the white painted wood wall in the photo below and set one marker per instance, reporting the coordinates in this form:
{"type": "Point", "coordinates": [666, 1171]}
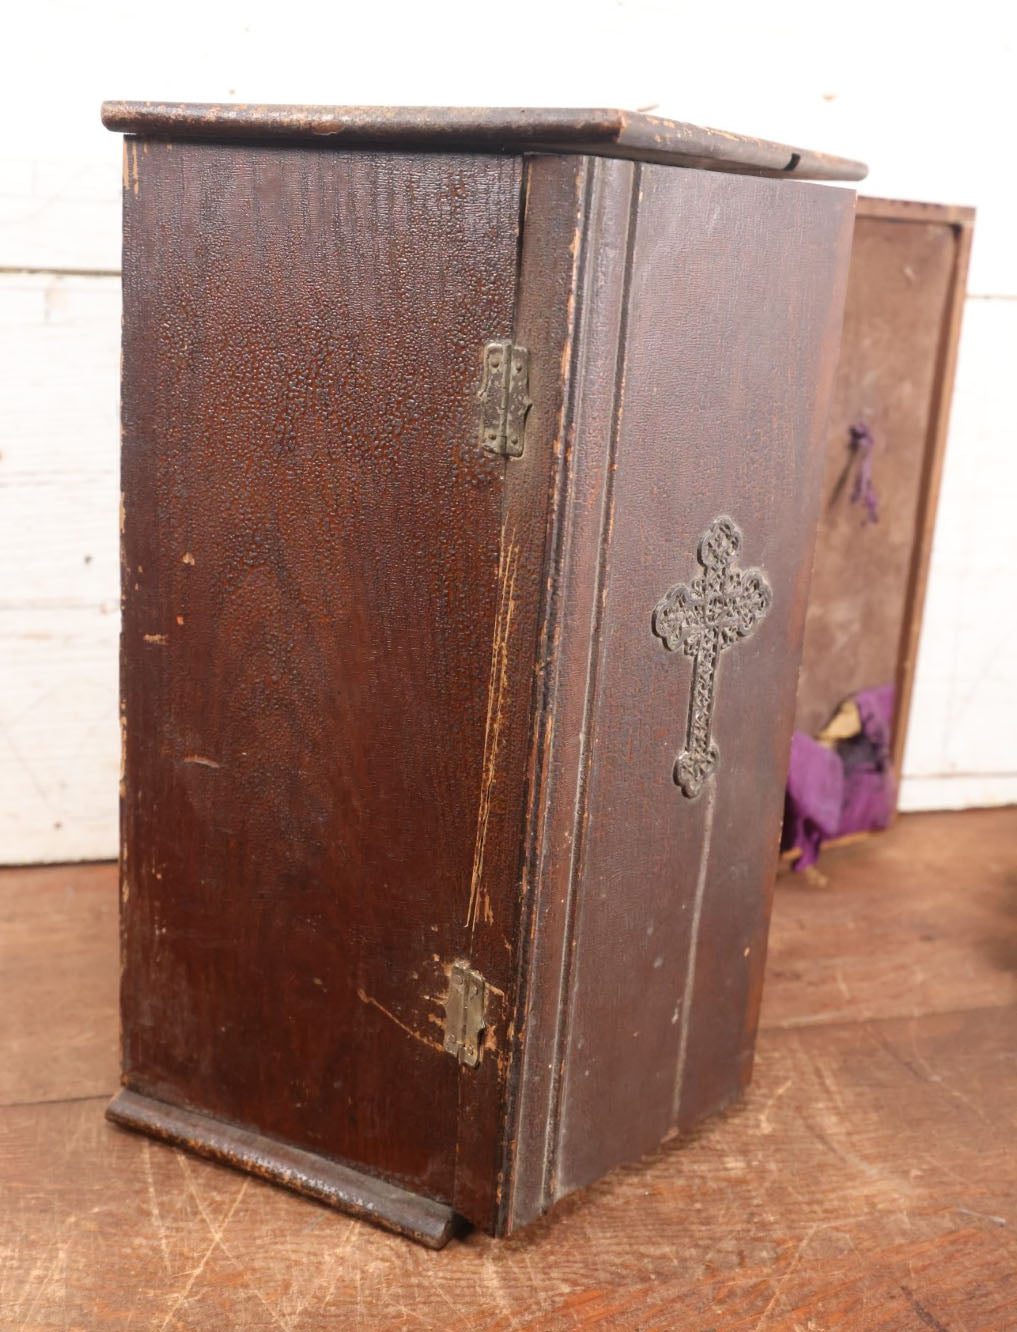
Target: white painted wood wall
{"type": "Point", "coordinates": [928, 97]}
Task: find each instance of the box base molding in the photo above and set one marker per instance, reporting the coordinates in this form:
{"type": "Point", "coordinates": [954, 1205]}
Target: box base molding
{"type": "Point", "coordinates": [340, 1186]}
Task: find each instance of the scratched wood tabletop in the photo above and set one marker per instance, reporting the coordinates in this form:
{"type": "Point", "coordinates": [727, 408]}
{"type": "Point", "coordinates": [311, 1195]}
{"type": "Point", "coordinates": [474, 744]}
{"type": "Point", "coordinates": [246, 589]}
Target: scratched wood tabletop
{"type": "Point", "coordinates": [869, 1182]}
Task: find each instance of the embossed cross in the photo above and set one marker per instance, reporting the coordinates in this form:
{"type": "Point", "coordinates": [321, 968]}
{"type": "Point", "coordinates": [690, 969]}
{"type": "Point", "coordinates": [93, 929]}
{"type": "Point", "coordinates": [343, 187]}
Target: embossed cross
{"type": "Point", "coordinates": [720, 606]}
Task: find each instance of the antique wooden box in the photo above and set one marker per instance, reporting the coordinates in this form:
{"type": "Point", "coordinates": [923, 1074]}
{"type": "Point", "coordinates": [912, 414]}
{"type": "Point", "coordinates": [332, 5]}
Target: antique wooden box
{"type": "Point", "coordinates": [471, 463]}
{"type": "Point", "coordinates": [886, 439]}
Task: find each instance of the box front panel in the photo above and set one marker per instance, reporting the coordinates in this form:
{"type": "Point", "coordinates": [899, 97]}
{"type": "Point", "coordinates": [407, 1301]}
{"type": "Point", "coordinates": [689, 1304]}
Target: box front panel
{"type": "Point", "coordinates": [727, 348]}
{"type": "Point", "coordinates": [311, 591]}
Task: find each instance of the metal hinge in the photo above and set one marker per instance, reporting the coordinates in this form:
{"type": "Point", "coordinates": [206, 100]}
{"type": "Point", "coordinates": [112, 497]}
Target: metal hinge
{"type": "Point", "coordinates": [504, 398]}
{"type": "Point", "coordinates": [464, 1013]}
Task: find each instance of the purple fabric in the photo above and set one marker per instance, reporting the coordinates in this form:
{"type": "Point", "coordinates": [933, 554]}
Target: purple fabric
{"type": "Point", "coordinates": [864, 492]}
{"type": "Point", "coordinates": [815, 796]}
{"type": "Point", "coordinates": [833, 792]}
{"type": "Point", "coordinates": [876, 709]}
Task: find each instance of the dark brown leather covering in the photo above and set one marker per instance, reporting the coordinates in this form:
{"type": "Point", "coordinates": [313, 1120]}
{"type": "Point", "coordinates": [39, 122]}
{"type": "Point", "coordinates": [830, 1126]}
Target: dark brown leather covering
{"type": "Point", "coordinates": [311, 578]}
{"type": "Point", "coordinates": [390, 702]}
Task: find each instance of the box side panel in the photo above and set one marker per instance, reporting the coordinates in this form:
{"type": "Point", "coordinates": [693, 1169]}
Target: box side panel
{"type": "Point", "coordinates": [311, 590]}
{"type": "Point", "coordinates": [734, 301]}
{"type": "Point", "coordinates": [898, 302]}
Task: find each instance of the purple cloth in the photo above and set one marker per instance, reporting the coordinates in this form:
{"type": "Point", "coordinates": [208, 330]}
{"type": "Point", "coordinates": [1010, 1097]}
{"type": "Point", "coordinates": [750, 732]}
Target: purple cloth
{"type": "Point", "coordinates": [833, 792]}
{"type": "Point", "coordinates": [814, 798]}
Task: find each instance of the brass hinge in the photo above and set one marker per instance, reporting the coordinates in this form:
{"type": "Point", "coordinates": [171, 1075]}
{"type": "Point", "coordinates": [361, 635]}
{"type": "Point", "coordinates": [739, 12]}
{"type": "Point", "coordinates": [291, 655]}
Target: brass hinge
{"type": "Point", "coordinates": [464, 1013]}
{"type": "Point", "coordinates": [504, 398]}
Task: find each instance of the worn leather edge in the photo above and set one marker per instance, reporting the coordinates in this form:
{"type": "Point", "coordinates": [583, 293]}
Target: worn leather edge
{"type": "Point", "coordinates": [914, 210]}
{"type": "Point", "coordinates": [611, 133]}
{"type": "Point", "coordinates": [601, 247]}
{"type": "Point", "coordinates": [962, 221]}
{"type": "Point", "coordinates": [340, 1186]}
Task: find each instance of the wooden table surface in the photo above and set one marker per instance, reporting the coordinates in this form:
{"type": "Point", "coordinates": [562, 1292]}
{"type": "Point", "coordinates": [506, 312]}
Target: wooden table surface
{"type": "Point", "coordinates": [869, 1182]}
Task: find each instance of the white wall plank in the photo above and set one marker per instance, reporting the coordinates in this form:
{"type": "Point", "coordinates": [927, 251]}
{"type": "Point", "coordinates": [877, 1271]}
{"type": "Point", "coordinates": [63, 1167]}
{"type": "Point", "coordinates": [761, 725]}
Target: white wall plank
{"type": "Point", "coordinates": [59, 741]}
{"type": "Point", "coordinates": [958, 791]}
{"type": "Point", "coordinates": [963, 716]}
{"type": "Point", "coordinates": [59, 747]}
{"type": "Point", "coordinates": [61, 213]}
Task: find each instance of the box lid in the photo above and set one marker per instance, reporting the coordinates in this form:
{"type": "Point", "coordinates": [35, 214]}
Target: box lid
{"type": "Point", "coordinates": [488, 129]}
